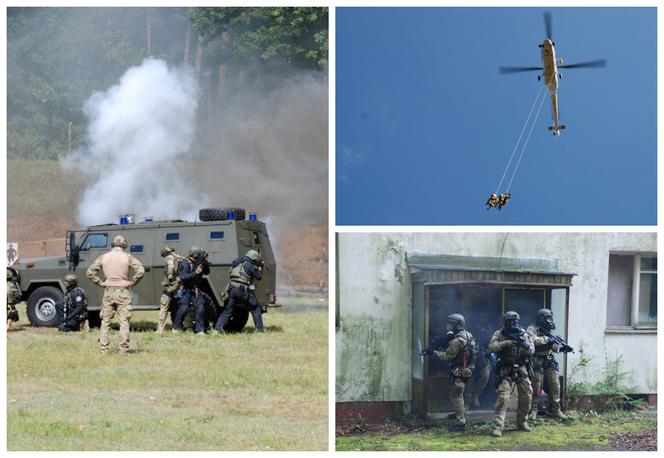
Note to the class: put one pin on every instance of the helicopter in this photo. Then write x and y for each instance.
(550, 73)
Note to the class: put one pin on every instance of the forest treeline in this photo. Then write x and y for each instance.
(57, 57)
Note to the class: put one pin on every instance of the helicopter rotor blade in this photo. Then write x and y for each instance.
(547, 25)
(518, 69)
(589, 64)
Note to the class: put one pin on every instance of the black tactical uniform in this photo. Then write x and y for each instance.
(244, 271)
(73, 310)
(190, 296)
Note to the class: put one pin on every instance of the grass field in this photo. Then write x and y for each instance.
(587, 431)
(177, 392)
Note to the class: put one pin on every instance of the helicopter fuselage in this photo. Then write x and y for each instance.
(550, 77)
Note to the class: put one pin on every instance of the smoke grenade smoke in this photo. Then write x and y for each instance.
(272, 145)
(138, 135)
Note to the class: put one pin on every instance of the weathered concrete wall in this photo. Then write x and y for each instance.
(373, 340)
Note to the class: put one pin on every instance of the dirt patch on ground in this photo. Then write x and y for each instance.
(639, 441)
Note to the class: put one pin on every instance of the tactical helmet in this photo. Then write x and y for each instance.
(70, 280)
(119, 241)
(195, 252)
(254, 255)
(545, 319)
(457, 320)
(166, 251)
(511, 320)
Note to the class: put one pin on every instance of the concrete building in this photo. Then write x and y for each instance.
(394, 291)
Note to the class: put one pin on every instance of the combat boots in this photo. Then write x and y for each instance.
(497, 432)
(525, 427)
(557, 413)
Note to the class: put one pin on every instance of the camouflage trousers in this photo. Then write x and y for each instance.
(524, 392)
(549, 375)
(116, 299)
(479, 384)
(456, 398)
(164, 308)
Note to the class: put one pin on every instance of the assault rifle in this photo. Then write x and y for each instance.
(562, 345)
(438, 343)
(518, 336)
(202, 260)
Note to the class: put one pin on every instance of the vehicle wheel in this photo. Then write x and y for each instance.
(41, 306)
(94, 319)
(237, 321)
(219, 214)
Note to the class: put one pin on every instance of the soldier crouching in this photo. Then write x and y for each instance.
(244, 271)
(73, 309)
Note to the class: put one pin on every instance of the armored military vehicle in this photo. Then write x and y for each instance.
(225, 233)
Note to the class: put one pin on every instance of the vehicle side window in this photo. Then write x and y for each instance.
(257, 238)
(94, 241)
(172, 236)
(216, 235)
(136, 249)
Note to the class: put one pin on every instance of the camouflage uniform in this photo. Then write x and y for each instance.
(545, 368)
(459, 357)
(13, 298)
(170, 282)
(117, 294)
(513, 371)
(481, 379)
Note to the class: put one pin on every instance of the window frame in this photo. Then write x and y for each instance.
(634, 326)
(105, 234)
(166, 239)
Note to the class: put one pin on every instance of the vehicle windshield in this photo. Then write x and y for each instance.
(94, 241)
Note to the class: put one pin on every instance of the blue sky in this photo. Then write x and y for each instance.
(426, 124)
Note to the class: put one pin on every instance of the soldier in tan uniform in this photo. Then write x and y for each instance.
(460, 353)
(170, 283)
(545, 366)
(514, 348)
(117, 293)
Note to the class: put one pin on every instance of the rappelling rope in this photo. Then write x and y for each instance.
(525, 124)
(528, 137)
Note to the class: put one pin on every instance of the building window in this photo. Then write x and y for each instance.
(632, 291)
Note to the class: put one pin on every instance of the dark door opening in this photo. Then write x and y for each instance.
(483, 306)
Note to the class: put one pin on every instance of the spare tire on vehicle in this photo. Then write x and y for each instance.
(220, 214)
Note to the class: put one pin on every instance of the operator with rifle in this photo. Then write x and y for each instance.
(514, 348)
(545, 364)
(189, 295)
(459, 349)
(241, 290)
(73, 308)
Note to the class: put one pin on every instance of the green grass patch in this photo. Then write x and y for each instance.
(177, 392)
(582, 432)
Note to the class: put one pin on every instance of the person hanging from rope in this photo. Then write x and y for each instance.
(493, 200)
(502, 200)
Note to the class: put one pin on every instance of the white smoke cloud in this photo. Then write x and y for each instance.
(138, 136)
